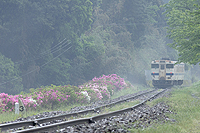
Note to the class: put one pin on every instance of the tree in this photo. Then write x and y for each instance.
(120, 32)
(30, 27)
(89, 63)
(10, 81)
(128, 29)
(183, 17)
(165, 1)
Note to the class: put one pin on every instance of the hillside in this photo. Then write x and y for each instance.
(70, 42)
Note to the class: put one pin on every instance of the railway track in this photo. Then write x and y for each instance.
(61, 121)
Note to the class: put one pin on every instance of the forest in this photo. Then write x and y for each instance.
(64, 42)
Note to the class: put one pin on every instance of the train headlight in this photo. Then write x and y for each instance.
(154, 74)
(171, 74)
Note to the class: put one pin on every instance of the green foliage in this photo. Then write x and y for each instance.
(89, 61)
(30, 27)
(56, 71)
(9, 73)
(129, 31)
(183, 18)
(135, 22)
(107, 36)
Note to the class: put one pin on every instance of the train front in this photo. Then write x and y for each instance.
(162, 72)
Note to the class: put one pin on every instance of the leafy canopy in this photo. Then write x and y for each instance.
(183, 18)
(9, 72)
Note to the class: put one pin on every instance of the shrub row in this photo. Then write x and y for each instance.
(51, 97)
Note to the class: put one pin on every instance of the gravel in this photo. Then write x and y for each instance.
(141, 117)
(73, 110)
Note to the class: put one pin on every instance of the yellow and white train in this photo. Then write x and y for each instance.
(165, 73)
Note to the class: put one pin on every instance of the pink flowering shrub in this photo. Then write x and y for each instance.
(7, 102)
(104, 86)
(51, 97)
(81, 98)
(48, 97)
(55, 96)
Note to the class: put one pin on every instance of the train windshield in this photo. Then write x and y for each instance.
(170, 66)
(162, 67)
(154, 66)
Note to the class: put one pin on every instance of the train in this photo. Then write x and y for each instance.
(166, 73)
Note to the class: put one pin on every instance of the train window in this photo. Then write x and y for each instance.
(180, 69)
(162, 67)
(170, 66)
(162, 61)
(154, 66)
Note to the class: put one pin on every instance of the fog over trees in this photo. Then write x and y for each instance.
(71, 41)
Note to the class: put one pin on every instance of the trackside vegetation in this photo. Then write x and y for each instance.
(183, 19)
(184, 102)
(51, 97)
(54, 98)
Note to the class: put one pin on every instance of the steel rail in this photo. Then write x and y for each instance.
(89, 120)
(4, 127)
(95, 118)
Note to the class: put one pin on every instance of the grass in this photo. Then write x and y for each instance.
(186, 104)
(121, 106)
(133, 90)
(114, 108)
(11, 116)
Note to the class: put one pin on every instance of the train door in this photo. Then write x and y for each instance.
(162, 72)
